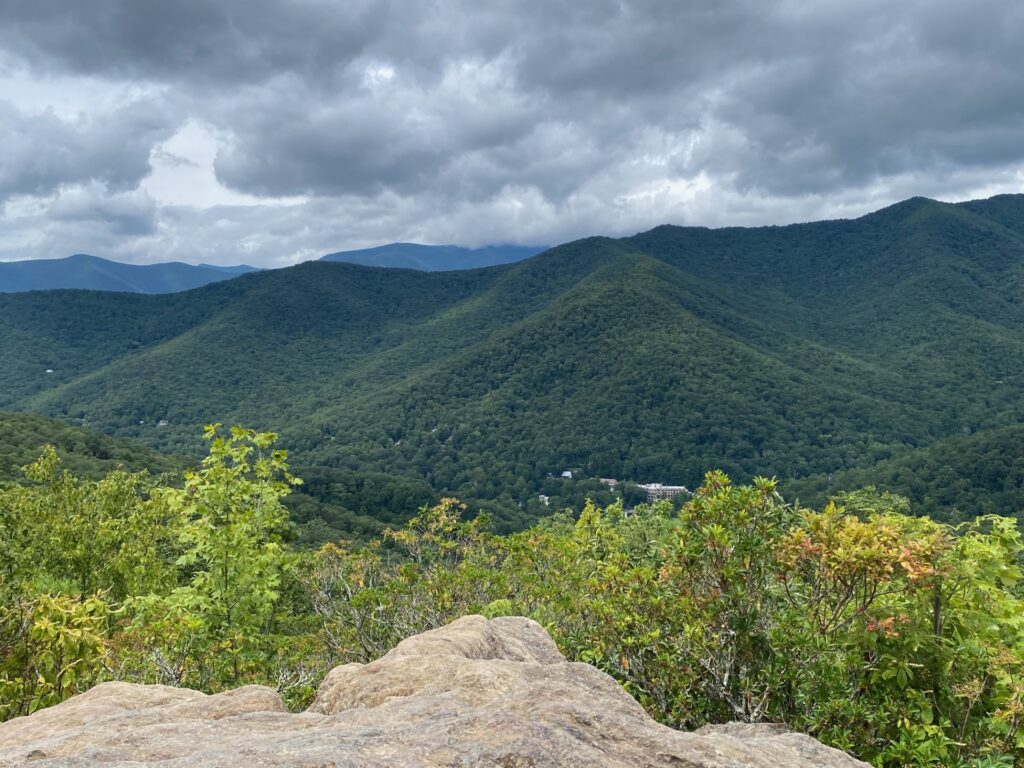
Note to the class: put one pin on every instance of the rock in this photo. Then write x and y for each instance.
(475, 693)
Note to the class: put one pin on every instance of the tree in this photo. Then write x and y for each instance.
(230, 521)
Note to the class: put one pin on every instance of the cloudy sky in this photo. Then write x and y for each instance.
(271, 131)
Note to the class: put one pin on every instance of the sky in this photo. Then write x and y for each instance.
(272, 131)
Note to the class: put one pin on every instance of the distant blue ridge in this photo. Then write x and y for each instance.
(435, 258)
(93, 273)
(83, 271)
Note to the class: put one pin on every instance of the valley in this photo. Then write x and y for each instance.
(801, 351)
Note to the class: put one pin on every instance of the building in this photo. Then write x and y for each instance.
(611, 483)
(567, 475)
(656, 491)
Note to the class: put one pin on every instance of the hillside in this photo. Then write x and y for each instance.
(93, 273)
(953, 479)
(434, 258)
(85, 453)
(794, 351)
(330, 503)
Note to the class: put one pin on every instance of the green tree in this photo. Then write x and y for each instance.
(230, 523)
(51, 647)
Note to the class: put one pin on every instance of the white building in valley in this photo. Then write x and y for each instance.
(656, 491)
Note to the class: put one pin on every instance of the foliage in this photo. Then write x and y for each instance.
(898, 638)
(802, 351)
(229, 522)
(51, 646)
(437, 568)
(134, 578)
(894, 637)
(82, 536)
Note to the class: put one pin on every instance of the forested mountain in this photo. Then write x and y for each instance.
(86, 453)
(795, 351)
(94, 273)
(434, 258)
(953, 479)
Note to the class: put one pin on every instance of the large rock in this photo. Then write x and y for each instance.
(475, 693)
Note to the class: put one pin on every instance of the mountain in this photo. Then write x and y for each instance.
(85, 453)
(793, 351)
(94, 273)
(953, 479)
(435, 258)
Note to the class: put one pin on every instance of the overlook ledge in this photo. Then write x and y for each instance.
(477, 692)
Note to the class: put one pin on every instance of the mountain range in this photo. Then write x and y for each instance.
(93, 273)
(804, 351)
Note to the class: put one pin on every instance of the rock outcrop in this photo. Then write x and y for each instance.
(475, 693)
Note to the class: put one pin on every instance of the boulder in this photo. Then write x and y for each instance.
(474, 693)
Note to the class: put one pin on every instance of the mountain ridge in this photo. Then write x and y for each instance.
(85, 272)
(796, 351)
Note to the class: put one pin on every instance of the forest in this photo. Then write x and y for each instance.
(802, 352)
(879, 631)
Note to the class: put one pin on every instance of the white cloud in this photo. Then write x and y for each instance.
(183, 171)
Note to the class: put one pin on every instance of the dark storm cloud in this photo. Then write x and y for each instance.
(196, 41)
(802, 99)
(537, 120)
(894, 93)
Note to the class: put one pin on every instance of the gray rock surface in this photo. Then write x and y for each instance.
(475, 693)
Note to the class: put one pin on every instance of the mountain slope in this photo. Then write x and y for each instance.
(85, 453)
(434, 258)
(953, 479)
(793, 351)
(93, 273)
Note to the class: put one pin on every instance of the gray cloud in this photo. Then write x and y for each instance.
(533, 121)
(42, 152)
(130, 214)
(193, 41)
